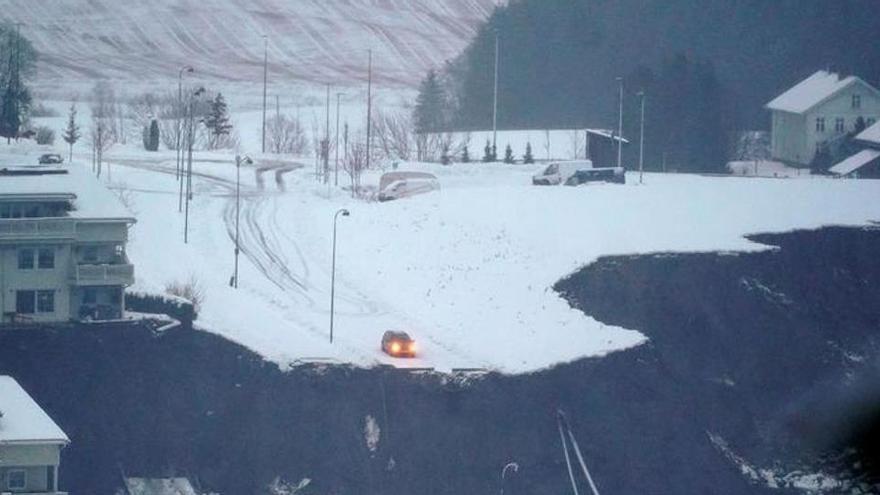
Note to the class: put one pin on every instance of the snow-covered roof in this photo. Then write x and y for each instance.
(92, 199)
(871, 134)
(855, 162)
(159, 486)
(812, 91)
(23, 420)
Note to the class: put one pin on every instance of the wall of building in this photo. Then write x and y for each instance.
(841, 107)
(57, 279)
(788, 139)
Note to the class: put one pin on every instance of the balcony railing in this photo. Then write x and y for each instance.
(26, 228)
(104, 274)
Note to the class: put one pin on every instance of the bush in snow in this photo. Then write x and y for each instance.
(40, 110)
(489, 154)
(465, 156)
(444, 156)
(191, 290)
(151, 136)
(45, 135)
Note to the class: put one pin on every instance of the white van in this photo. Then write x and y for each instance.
(397, 185)
(560, 172)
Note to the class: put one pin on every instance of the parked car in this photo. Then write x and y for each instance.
(398, 344)
(560, 172)
(610, 174)
(51, 158)
(397, 185)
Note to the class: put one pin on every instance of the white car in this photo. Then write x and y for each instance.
(560, 172)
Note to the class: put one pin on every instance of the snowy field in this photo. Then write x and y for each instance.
(467, 271)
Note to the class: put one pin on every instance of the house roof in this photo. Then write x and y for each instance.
(23, 420)
(855, 162)
(812, 91)
(92, 200)
(871, 134)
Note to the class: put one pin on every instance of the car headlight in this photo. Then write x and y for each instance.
(395, 347)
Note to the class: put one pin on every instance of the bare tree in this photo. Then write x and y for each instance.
(355, 162)
(106, 107)
(393, 133)
(286, 135)
(101, 139)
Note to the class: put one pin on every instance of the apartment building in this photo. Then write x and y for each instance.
(62, 247)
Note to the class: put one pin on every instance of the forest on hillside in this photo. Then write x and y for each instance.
(707, 67)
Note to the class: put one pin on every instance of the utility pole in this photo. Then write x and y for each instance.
(642, 138)
(336, 144)
(620, 123)
(191, 133)
(326, 147)
(345, 152)
(369, 103)
(265, 83)
(495, 101)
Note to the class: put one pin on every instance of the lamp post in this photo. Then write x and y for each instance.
(265, 83)
(336, 143)
(344, 213)
(510, 465)
(238, 160)
(620, 123)
(190, 135)
(642, 137)
(495, 101)
(179, 155)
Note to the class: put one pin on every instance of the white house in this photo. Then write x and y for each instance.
(30, 443)
(817, 110)
(62, 247)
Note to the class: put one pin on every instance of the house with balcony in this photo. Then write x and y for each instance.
(817, 111)
(62, 247)
(30, 444)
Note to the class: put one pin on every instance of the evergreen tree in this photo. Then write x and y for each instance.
(429, 114)
(217, 121)
(444, 156)
(71, 133)
(508, 155)
(487, 153)
(465, 155)
(17, 58)
(528, 158)
(151, 136)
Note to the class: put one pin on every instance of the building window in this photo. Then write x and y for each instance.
(839, 125)
(116, 296)
(857, 101)
(25, 302)
(25, 259)
(90, 296)
(5, 211)
(16, 479)
(90, 254)
(46, 258)
(820, 124)
(45, 301)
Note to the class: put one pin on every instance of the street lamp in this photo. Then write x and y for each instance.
(620, 123)
(238, 160)
(190, 136)
(642, 137)
(510, 465)
(179, 155)
(344, 213)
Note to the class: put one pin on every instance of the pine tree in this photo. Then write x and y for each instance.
(508, 155)
(487, 153)
(151, 141)
(429, 114)
(444, 157)
(465, 155)
(528, 158)
(71, 133)
(217, 120)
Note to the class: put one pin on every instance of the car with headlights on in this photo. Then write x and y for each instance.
(398, 344)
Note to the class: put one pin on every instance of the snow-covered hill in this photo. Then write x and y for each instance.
(320, 41)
